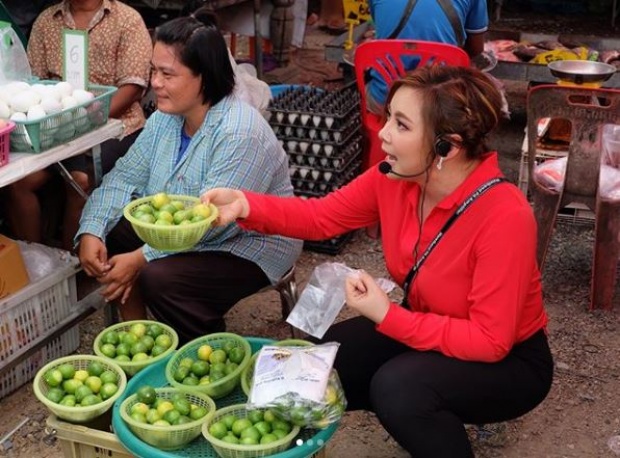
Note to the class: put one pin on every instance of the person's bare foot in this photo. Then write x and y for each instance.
(313, 19)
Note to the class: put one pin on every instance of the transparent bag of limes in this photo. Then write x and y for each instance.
(299, 384)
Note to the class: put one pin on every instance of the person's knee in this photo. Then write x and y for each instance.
(153, 279)
(82, 180)
(29, 184)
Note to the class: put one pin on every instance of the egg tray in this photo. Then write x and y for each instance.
(301, 164)
(318, 187)
(326, 156)
(331, 246)
(311, 134)
(313, 107)
(58, 128)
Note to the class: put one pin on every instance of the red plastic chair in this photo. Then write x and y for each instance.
(384, 56)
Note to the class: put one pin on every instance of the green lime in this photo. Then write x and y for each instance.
(163, 340)
(197, 413)
(236, 355)
(183, 419)
(140, 407)
(138, 329)
(186, 362)
(70, 386)
(161, 422)
(279, 433)
(154, 330)
(251, 432)
(263, 427)
(215, 376)
(230, 438)
(94, 383)
(110, 337)
(138, 416)
(229, 420)
(109, 377)
(123, 358)
(67, 370)
(108, 350)
(130, 338)
(281, 425)
(172, 416)
(144, 208)
(182, 406)
(53, 378)
(123, 349)
(164, 407)
(255, 416)
(146, 394)
(181, 373)
(268, 438)
(218, 356)
(228, 345)
(95, 368)
(90, 400)
(81, 375)
(218, 430)
(140, 357)
(68, 401)
(152, 416)
(200, 368)
(108, 390)
(269, 416)
(138, 347)
(190, 381)
(230, 368)
(239, 425)
(81, 392)
(178, 395)
(148, 342)
(55, 394)
(218, 367)
(157, 350)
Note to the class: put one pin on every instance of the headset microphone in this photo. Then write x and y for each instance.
(385, 168)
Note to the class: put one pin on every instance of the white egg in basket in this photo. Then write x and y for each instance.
(5, 111)
(68, 102)
(50, 125)
(23, 100)
(35, 112)
(80, 119)
(20, 139)
(82, 96)
(95, 113)
(64, 89)
(51, 104)
(66, 130)
(15, 87)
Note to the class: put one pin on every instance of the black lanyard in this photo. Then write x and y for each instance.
(459, 211)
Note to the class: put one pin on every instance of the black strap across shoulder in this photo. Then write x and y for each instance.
(453, 17)
(403, 19)
(459, 211)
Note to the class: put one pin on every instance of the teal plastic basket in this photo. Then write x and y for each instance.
(308, 443)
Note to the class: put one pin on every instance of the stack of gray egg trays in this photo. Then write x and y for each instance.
(320, 131)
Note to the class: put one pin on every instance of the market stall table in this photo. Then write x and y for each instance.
(22, 164)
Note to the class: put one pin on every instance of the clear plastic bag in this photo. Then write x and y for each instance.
(611, 145)
(323, 298)
(14, 65)
(299, 384)
(41, 260)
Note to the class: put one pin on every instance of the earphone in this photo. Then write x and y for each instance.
(441, 147)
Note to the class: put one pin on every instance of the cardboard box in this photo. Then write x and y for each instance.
(13, 273)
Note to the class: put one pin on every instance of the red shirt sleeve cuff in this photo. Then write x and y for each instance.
(393, 325)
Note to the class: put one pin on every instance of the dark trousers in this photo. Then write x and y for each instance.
(423, 399)
(190, 291)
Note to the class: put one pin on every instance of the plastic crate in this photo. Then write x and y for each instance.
(4, 142)
(33, 312)
(87, 441)
(25, 371)
(331, 246)
(66, 125)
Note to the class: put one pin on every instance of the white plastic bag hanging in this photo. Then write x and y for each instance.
(14, 65)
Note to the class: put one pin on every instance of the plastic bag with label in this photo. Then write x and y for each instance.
(14, 65)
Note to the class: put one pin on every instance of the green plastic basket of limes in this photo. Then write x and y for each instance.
(79, 388)
(171, 420)
(234, 433)
(248, 373)
(170, 222)
(211, 364)
(133, 345)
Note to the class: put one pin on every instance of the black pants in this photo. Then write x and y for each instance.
(190, 291)
(423, 399)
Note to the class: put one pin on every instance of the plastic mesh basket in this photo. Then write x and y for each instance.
(168, 437)
(78, 414)
(66, 125)
(227, 450)
(218, 388)
(133, 367)
(170, 238)
(4, 142)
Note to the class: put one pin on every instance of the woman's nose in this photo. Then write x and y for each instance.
(383, 133)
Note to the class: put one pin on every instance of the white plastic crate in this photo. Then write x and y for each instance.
(33, 313)
(572, 213)
(25, 371)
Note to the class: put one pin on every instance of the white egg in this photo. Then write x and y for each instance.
(5, 95)
(5, 111)
(82, 96)
(39, 88)
(80, 119)
(64, 88)
(36, 112)
(22, 101)
(50, 125)
(46, 139)
(68, 102)
(17, 86)
(96, 113)
(51, 104)
(20, 140)
(18, 116)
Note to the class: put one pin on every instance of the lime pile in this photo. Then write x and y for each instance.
(210, 365)
(163, 211)
(80, 388)
(159, 411)
(140, 343)
(256, 427)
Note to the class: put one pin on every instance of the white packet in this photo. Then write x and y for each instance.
(323, 298)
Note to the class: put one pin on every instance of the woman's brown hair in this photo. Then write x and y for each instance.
(456, 100)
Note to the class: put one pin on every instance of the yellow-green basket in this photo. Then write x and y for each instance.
(171, 437)
(221, 387)
(132, 367)
(248, 373)
(78, 414)
(170, 238)
(228, 450)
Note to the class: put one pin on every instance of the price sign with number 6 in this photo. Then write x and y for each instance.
(75, 58)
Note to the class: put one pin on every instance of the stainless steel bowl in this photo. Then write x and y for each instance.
(581, 71)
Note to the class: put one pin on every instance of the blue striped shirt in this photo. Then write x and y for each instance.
(234, 148)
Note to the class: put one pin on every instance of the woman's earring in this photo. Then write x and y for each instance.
(440, 163)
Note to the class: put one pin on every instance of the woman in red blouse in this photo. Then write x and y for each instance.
(468, 344)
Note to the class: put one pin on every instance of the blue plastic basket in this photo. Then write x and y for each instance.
(307, 444)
